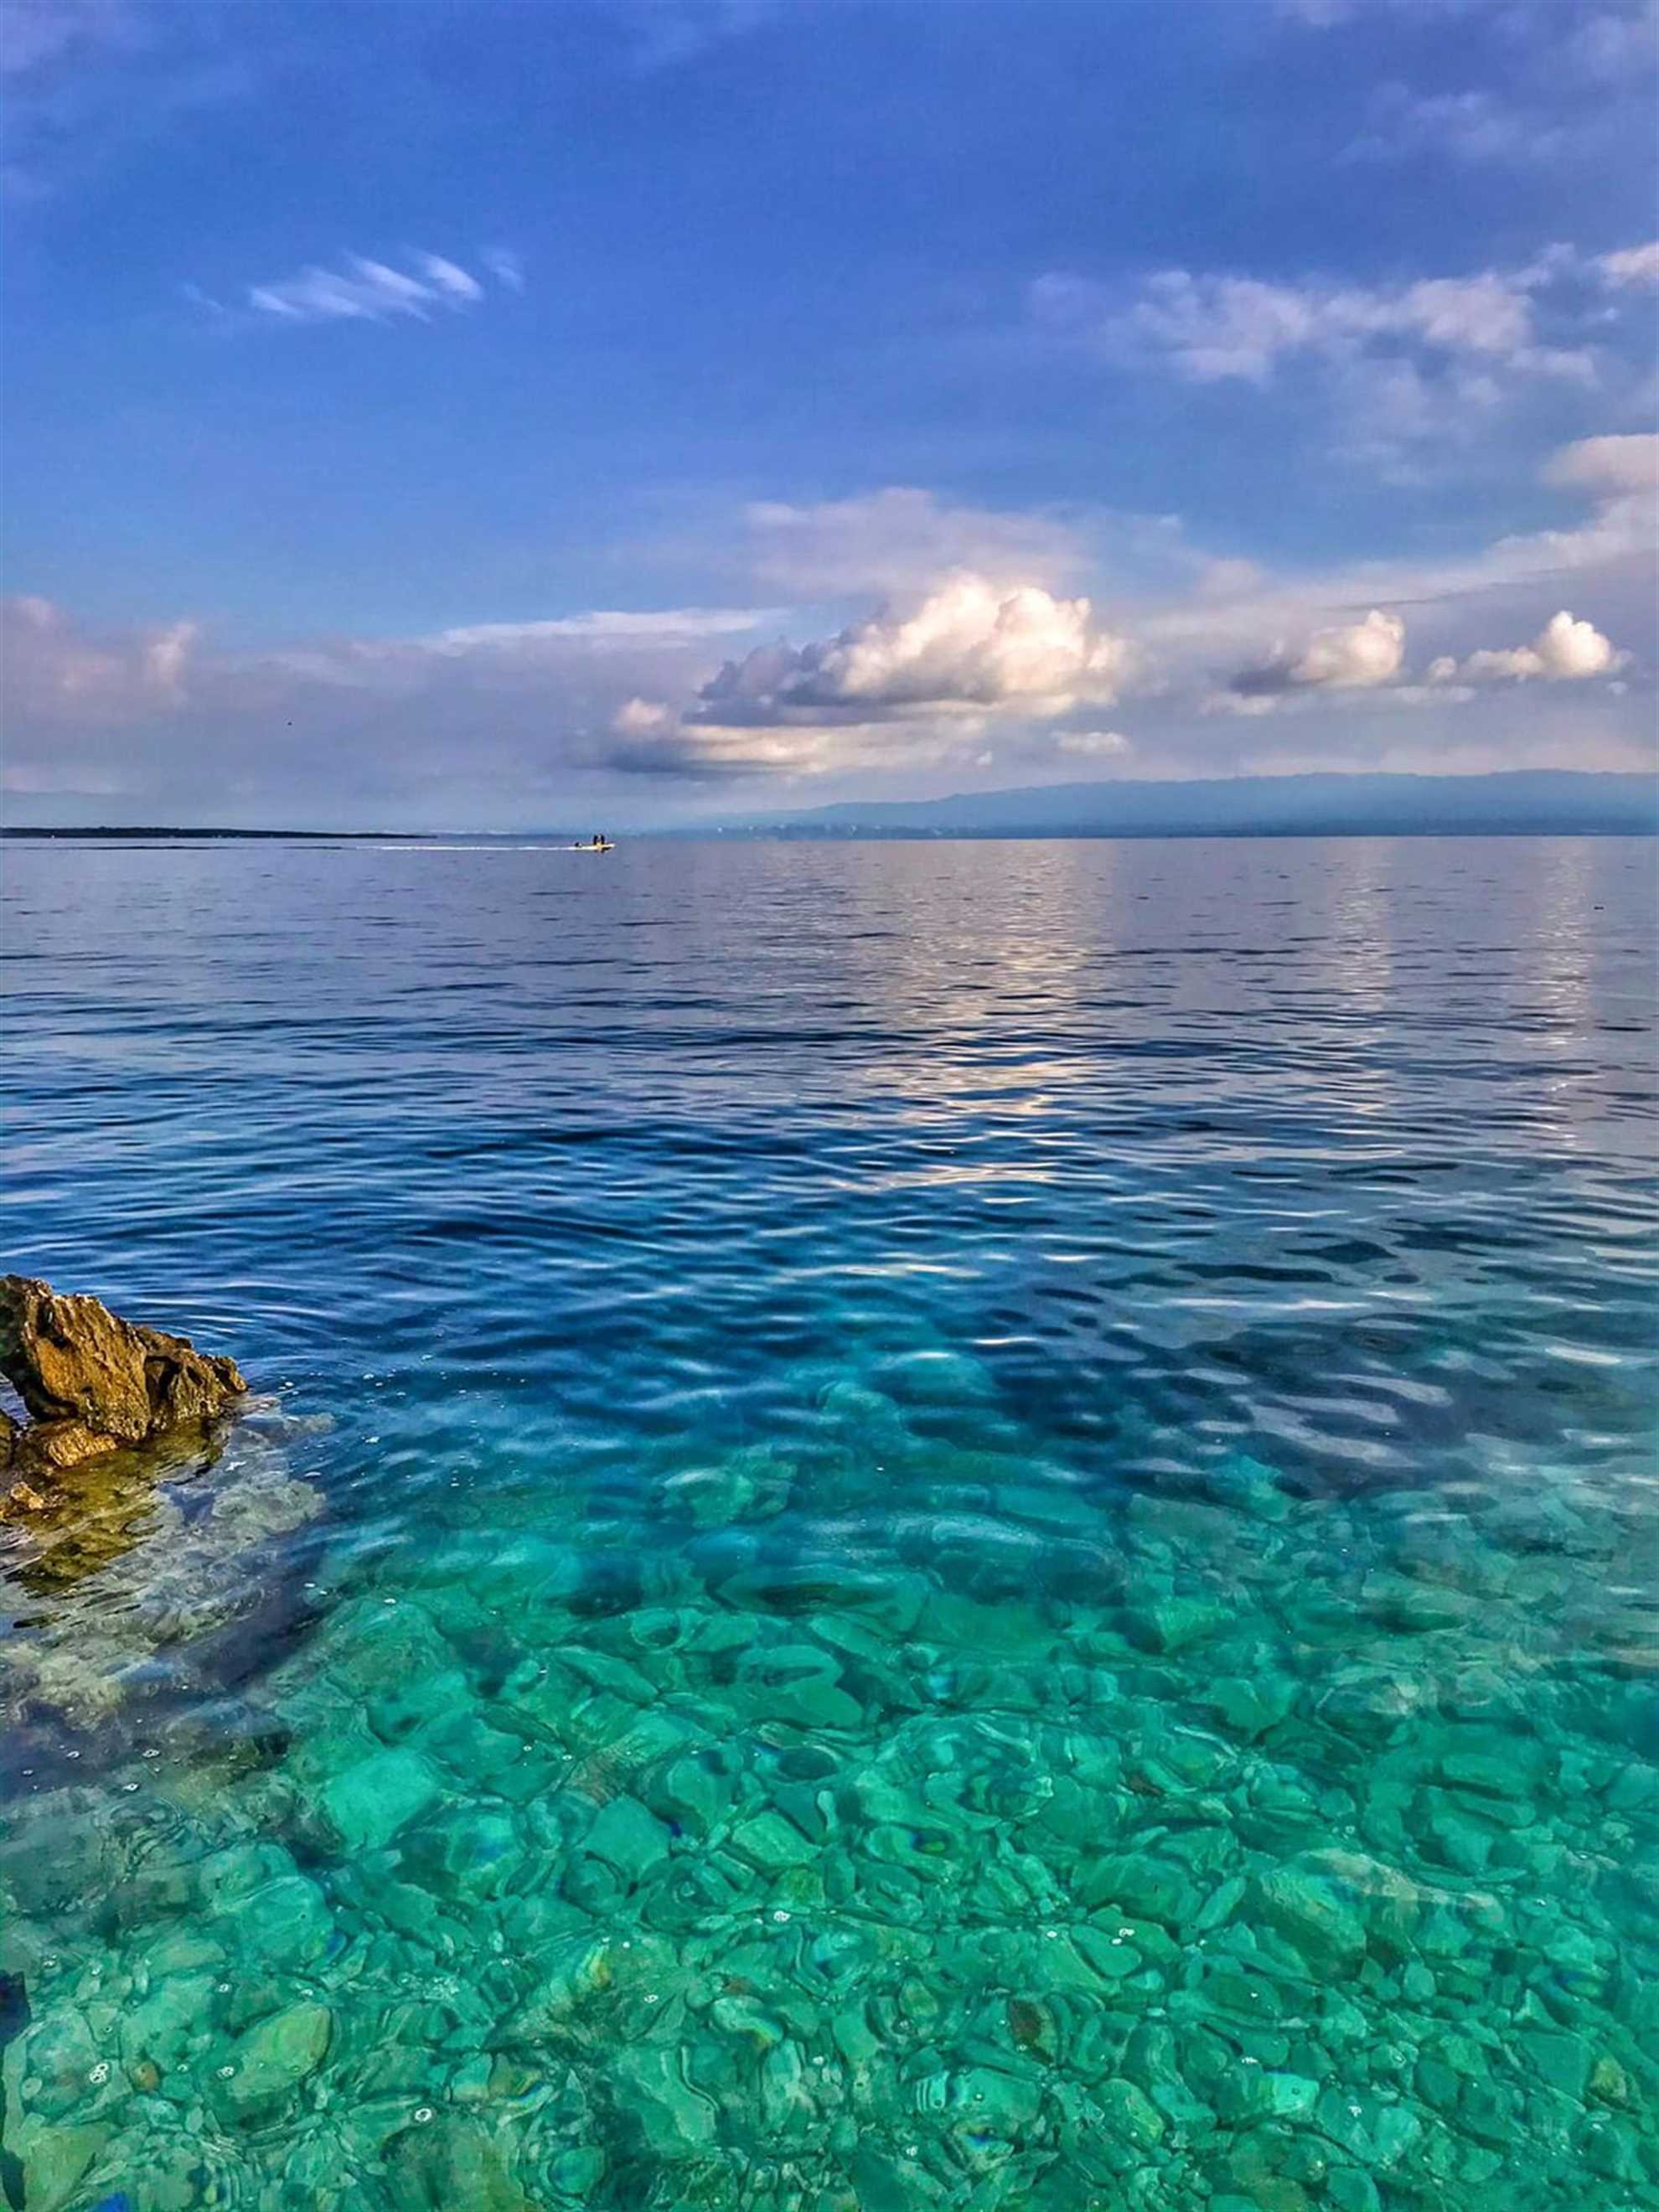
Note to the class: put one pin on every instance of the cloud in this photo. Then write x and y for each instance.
(1454, 602)
(1094, 744)
(1215, 326)
(1626, 464)
(536, 710)
(1408, 360)
(37, 34)
(1350, 656)
(1631, 267)
(1616, 45)
(167, 657)
(1470, 127)
(89, 82)
(970, 644)
(506, 266)
(1565, 651)
(669, 625)
(361, 290)
(1578, 97)
(59, 672)
(492, 721)
(891, 541)
(644, 718)
(665, 34)
(449, 277)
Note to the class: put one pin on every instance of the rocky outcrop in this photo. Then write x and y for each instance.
(92, 1382)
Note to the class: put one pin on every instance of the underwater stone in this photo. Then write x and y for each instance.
(1403, 1602)
(54, 2162)
(369, 1802)
(676, 2121)
(1379, 2133)
(934, 1379)
(1351, 2189)
(1148, 1887)
(1131, 2113)
(1609, 2082)
(1310, 1911)
(472, 1851)
(162, 2028)
(450, 2164)
(1169, 1625)
(273, 2057)
(572, 1971)
(287, 1924)
(771, 1842)
(1253, 1705)
(629, 1838)
(885, 2182)
(800, 1683)
(1562, 2060)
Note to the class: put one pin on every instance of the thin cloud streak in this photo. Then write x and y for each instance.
(361, 289)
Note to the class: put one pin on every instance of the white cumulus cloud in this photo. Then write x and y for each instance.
(970, 644)
(644, 718)
(1349, 656)
(1565, 650)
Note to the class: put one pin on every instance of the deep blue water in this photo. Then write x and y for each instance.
(985, 1534)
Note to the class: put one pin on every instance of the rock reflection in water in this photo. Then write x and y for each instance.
(125, 1583)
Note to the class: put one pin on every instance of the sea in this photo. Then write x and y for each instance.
(925, 1527)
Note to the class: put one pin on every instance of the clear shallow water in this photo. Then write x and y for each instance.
(987, 1539)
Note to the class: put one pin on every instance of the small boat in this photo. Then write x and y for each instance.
(598, 845)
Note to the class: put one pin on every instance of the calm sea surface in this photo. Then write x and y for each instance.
(957, 1526)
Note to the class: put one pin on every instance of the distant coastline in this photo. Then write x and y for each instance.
(1518, 803)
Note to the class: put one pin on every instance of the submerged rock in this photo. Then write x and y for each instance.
(268, 2063)
(92, 1382)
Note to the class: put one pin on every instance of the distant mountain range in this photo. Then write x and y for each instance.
(1524, 802)
(1530, 802)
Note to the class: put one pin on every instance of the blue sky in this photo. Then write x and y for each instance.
(485, 415)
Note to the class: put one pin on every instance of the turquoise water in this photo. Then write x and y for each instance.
(950, 1526)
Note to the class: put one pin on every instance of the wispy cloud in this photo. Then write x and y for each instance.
(1472, 128)
(35, 34)
(359, 289)
(1633, 267)
(665, 34)
(892, 540)
(1213, 326)
(89, 81)
(610, 626)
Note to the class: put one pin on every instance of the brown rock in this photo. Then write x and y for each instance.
(45, 1445)
(98, 1381)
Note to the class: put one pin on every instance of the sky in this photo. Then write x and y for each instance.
(503, 416)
